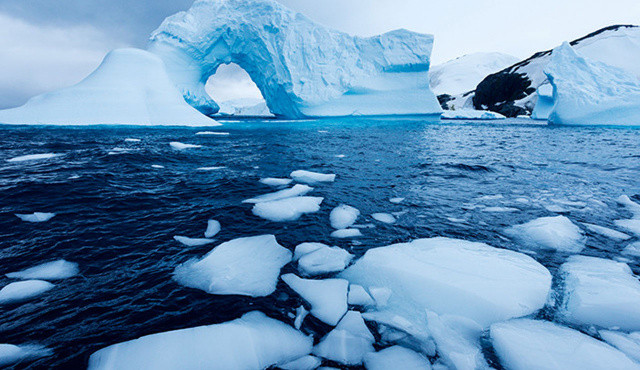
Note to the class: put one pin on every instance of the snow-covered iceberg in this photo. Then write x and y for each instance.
(131, 86)
(302, 68)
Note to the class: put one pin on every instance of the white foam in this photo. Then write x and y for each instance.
(33, 157)
(296, 190)
(322, 259)
(181, 146)
(54, 270)
(23, 290)
(309, 177)
(213, 228)
(36, 217)
(289, 209)
(328, 298)
(273, 181)
(192, 242)
(390, 358)
(343, 216)
(555, 233)
(386, 218)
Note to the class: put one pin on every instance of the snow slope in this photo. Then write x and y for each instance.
(131, 86)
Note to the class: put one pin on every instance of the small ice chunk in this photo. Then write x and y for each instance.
(301, 314)
(457, 341)
(213, 228)
(23, 290)
(531, 344)
(340, 156)
(348, 343)
(632, 206)
(214, 168)
(181, 146)
(303, 363)
(245, 266)
(33, 157)
(295, 191)
(273, 181)
(157, 166)
(343, 216)
(629, 344)
(600, 292)
(396, 200)
(632, 249)
(605, 231)
(132, 140)
(192, 242)
(632, 225)
(384, 218)
(288, 209)
(36, 217)
(322, 260)
(309, 177)
(390, 358)
(346, 233)
(218, 133)
(328, 298)
(55, 270)
(11, 354)
(556, 233)
(358, 296)
(254, 341)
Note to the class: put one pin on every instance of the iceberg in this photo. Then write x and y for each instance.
(544, 105)
(288, 209)
(245, 266)
(530, 344)
(321, 259)
(311, 178)
(302, 69)
(451, 276)
(328, 298)
(54, 270)
(343, 216)
(213, 228)
(254, 341)
(554, 233)
(36, 217)
(297, 190)
(131, 86)
(389, 358)
(347, 343)
(32, 157)
(11, 354)
(23, 290)
(600, 292)
(192, 242)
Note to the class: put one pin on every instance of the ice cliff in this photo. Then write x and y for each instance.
(302, 68)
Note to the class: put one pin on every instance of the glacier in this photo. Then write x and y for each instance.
(302, 69)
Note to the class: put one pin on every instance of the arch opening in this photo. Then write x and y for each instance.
(235, 92)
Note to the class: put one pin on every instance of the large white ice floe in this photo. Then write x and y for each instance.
(192, 242)
(530, 344)
(328, 298)
(588, 92)
(54, 270)
(245, 266)
(23, 290)
(451, 276)
(343, 216)
(288, 209)
(554, 233)
(302, 68)
(33, 157)
(254, 341)
(317, 259)
(390, 358)
(131, 86)
(605, 231)
(347, 343)
(11, 354)
(309, 177)
(36, 217)
(600, 292)
(295, 191)
(629, 344)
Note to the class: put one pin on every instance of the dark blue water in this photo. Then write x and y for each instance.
(117, 219)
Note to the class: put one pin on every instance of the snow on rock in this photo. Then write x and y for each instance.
(131, 86)
(32, 157)
(358, 296)
(384, 218)
(328, 298)
(273, 181)
(588, 92)
(309, 177)
(530, 344)
(23, 290)
(451, 276)
(629, 344)
(244, 266)
(343, 216)
(296, 190)
(181, 146)
(213, 228)
(389, 358)
(555, 233)
(11, 354)
(321, 259)
(605, 231)
(457, 341)
(346, 233)
(36, 217)
(254, 341)
(348, 343)
(303, 363)
(302, 69)
(600, 292)
(471, 114)
(192, 242)
(54, 270)
(288, 209)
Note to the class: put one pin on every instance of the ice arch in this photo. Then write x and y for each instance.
(301, 68)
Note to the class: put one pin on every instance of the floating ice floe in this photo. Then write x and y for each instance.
(384, 218)
(632, 249)
(631, 225)
(55, 270)
(348, 342)
(471, 114)
(157, 166)
(245, 266)
(343, 216)
(192, 242)
(629, 344)
(23, 290)
(632, 206)
(303, 363)
(600, 292)
(605, 231)
(457, 341)
(214, 168)
(36, 217)
(33, 157)
(531, 344)
(309, 177)
(295, 191)
(317, 259)
(390, 358)
(555, 233)
(396, 200)
(181, 146)
(358, 296)
(288, 209)
(273, 181)
(346, 233)
(254, 341)
(328, 298)
(451, 276)
(213, 228)
(216, 133)
(132, 140)
(11, 354)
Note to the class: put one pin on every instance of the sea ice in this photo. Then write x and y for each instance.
(348, 342)
(33, 157)
(632, 249)
(321, 260)
(605, 231)
(254, 341)
(632, 206)
(157, 166)
(288, 209)
(457, 341)
(295, 191)
(471, 114)
(23, 290)
(303, 363)
(328, 298)
(396, 200)
(245, 266)
(556, 233)
(358, 296)
(343, 216)
(213, 228)
(629, 344)
(531, 344)
(36, 217)
(632, 225)
(384, 218)
(214, 168)
(11, 354)
(346, 233)
(192, 242)
(55, 270)
(212, 133)
(301, 314)
(273, 181)
(132, 140)
(309, 177)
(392, 357)
(181, 146)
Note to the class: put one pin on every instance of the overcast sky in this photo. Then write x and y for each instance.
(48, 44)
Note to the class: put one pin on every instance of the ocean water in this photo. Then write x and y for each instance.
(116, 215)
